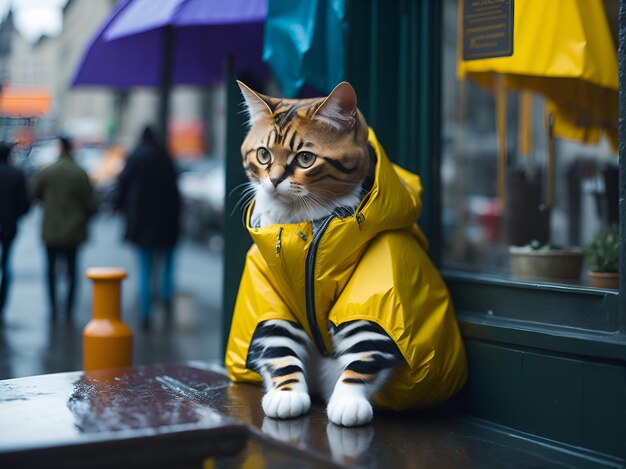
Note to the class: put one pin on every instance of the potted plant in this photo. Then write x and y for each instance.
(546, 262)
(603, 254)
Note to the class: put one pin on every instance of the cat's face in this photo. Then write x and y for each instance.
(305, 151)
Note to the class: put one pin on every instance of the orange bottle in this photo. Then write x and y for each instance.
(107, 341)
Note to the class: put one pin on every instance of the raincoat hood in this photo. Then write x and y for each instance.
(370, 265)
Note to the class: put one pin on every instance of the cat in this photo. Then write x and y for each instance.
(294, 184)
(313, 173)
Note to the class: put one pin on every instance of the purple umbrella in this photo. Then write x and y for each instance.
(130, 49)
(163, 42)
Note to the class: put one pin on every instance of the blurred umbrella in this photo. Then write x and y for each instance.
(564, 51)
(160, 43)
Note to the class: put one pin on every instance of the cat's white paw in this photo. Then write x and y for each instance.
(349, 410)
(286, 404)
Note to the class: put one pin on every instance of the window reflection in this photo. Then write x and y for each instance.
(512, 196)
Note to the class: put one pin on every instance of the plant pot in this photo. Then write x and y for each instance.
(562, 265)
(604, 279)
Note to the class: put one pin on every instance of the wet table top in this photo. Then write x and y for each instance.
(129, 417)
(177, 416)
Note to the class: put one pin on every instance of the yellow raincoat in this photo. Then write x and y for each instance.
(371, 265)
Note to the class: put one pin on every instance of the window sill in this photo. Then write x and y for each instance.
(526, 284)
(529, 336)
(562, 318)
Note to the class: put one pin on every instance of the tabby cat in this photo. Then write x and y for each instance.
(308, 159)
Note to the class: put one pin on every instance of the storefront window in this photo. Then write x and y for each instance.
(529, 167)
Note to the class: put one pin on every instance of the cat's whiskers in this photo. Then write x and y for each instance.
(328, 204)
(332, 198)
(246, 195)
(314, 207)
(246, 185)
(300, 206)
(245, 198)
(326, 197)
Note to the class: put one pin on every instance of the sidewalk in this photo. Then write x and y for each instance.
(30, 344)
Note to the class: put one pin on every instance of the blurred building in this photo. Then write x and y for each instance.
(117, 117)
(83, 113)
(27, 72)
(96, 115)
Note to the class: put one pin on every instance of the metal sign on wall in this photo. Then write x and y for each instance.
(487, 29)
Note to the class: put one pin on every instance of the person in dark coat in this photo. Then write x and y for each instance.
(148, 196)
(13, 204)
(68, 201)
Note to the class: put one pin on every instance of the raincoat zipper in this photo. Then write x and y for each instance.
(310, 285)
(279, 242)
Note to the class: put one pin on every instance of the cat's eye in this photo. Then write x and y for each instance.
(263, 155)
(305, 159)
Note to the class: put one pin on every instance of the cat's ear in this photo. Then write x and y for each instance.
(339, 109)
(256, 106)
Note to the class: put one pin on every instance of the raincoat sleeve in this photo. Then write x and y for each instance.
(408, 299)
(257, 301)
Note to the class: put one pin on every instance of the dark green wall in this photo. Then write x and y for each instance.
(236, 239)
(569, 399)
(393, 61)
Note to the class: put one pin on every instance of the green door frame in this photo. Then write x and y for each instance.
(236, 239)
(393, 61)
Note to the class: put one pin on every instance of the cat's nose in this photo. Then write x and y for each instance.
(277, 175)
(277, 180)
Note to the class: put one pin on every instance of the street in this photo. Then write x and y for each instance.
(30, 344)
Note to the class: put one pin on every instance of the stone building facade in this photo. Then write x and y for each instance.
(100, 114)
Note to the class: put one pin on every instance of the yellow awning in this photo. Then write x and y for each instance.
(563, 50)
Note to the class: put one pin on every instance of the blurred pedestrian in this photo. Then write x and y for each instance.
(13, 204)
(148, 195)
(68, 202)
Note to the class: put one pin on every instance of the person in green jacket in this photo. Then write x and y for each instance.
(68, 202)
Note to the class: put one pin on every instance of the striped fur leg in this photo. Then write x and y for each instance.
(366, 355)
(278, 352)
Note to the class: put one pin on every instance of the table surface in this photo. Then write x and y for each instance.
(70, 419)
(177, 415)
